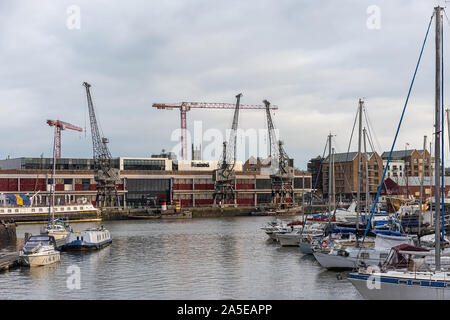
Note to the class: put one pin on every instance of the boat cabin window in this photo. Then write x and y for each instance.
(2, 211)
(34, 241)
(383, 255)
(74, 208)
(16, 210)
(9, 210)
(40, 209)
(364, 255)
(81, 208)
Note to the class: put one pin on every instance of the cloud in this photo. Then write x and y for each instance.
(314, 59)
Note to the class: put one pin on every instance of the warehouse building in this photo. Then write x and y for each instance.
(143, 181)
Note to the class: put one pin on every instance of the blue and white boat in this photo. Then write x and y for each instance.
(93, 238)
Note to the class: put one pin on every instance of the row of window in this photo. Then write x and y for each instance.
(38, 210)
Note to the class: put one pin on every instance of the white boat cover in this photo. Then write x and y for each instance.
(383, 241)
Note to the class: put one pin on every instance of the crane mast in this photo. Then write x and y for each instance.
(281, 173)
(105, 175)
(224, 177)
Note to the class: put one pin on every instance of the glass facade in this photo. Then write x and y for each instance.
(147, 192)
(62, 164)
(143, 164)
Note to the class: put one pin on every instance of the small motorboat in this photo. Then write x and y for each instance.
(39, 250)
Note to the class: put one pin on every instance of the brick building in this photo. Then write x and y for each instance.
(142, 181)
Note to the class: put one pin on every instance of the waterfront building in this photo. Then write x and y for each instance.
(408, 163)
(143, 181)
(346, 174)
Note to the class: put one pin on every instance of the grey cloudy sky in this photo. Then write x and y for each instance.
(314, 59)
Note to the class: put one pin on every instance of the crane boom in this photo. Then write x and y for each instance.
(104, 174)
(224, 176)
(231, 151)
(59, 126)
(281, 173)
(187, 106)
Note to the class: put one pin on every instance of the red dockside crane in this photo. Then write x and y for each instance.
(187, 106)
(61, 125)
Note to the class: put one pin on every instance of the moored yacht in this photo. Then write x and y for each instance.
(406, 275)
(345, 256)
(293, 238)
(59, 229)
(39, 250)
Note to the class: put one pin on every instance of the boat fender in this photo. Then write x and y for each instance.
(324, 243)
(372, 269)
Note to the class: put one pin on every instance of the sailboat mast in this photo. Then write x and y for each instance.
(367, 173)
(447, 111)
(421, 181)
(334, 181)
(52, 207)
(358, 184)
(437, 142)
(330, 169)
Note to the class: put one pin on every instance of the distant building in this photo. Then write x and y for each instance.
(411, 163)
(410, 187)
(314, 168)
(346, 174)
(255, 164)
(142, 181)
(164, 154)
(196, 153)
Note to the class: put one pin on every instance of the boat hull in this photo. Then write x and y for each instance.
(58, 235)
(78, 245)
(40, 260)
(305, 247)
(333, 261)
(272, 235)
(388, 288)
(289, 240)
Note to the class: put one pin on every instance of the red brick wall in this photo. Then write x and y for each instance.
(245, 186)
(186, 202)
(182, 186)
(203, 202)
(204, 186)
(8, 184)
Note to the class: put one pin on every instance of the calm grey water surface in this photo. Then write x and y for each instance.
(217, 258)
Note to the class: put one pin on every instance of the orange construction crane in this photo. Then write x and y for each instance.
(187, 106)
(61, 125)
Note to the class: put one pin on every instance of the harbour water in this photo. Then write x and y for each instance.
(220, 258)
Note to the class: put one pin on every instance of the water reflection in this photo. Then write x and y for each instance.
(41, 273)
(224, 258)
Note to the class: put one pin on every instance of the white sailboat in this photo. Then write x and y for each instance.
(293, 238)
(342, 256)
